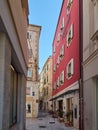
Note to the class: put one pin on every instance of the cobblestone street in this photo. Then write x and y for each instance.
(45, 122)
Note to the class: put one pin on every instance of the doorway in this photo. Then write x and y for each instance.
(69, 105)
(60, 105)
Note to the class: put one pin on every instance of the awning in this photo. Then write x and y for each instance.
(65, 93)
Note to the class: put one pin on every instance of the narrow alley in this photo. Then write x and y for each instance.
(45, 122)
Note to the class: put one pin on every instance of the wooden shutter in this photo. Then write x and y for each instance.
(72, 66)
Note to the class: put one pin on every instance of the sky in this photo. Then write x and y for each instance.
(45, 13)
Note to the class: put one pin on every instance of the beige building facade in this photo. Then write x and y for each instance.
(45, 89)
(90, 64)
(32, 104)
(13, 63)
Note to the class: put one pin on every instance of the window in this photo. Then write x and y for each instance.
(62, 26)
(47, 90)
(69, 3)
(54, 87)
(62, 52)
(54, 50)
(30, 53)
(69, 35)
(44, 91)
(62, 77)
(70, 69)
(47, 79)
(29, 74)
(54, 67)
(47, 67)
(58, 38)
(29, 35)
(58, 60)
(13, 96)
(45, 70)
(27, 90)
(58, 82)
(33, 93)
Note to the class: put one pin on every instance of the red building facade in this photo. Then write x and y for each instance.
(66, 72)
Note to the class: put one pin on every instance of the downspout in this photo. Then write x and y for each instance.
(81, 101)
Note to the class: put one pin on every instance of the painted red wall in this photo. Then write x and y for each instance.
(73, 50)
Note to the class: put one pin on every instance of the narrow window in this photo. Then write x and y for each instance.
(29, 74)
(69, 3)
(69, 35)
(27, 90)
(33, 93)
(70, 69)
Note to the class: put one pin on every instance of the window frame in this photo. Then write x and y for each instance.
(69, 4)
(29, 73)
(28, 94)
(70, 35)
(70, 69)
(62, 76)
(62, 51)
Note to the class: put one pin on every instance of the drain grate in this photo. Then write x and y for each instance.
(52, 122)
(42, 126)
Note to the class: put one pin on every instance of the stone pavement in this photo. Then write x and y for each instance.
(45, 122)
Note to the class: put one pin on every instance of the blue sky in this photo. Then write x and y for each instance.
(45, 13)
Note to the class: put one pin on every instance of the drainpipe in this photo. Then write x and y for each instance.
(81, 107)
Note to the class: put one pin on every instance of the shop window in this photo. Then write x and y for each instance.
(13, 96)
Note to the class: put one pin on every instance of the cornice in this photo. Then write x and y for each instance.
(91, 57)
